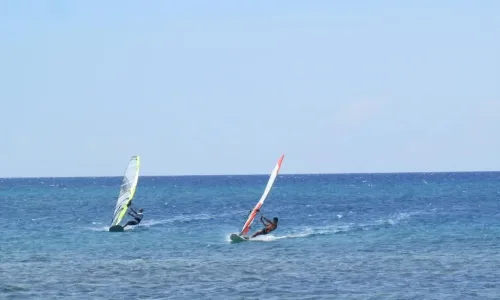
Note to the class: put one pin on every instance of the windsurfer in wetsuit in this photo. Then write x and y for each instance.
(269, 226)
(136, 215)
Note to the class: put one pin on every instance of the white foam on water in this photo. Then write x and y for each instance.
(337, 228)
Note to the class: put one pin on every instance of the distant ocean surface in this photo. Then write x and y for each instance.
(356, 236)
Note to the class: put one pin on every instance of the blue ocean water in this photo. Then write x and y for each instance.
(358, 236)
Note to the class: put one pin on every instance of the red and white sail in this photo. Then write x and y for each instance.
(269, 185)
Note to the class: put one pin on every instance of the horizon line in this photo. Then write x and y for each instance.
(259, 174)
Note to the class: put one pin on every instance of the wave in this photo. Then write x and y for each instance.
(9, 288)
(177, 219)
(306, 232)
(149, 223)
(106, 228)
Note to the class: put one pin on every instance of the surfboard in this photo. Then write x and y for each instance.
(116, 228)
(237, 238)
(253, 213)
(127, 192)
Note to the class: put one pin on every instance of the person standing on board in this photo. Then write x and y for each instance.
(269, 226)
(137, 217)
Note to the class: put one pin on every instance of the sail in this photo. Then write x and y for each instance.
(127, 190)
(269, 185)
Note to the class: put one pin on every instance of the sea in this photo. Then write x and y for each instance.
(340, 236)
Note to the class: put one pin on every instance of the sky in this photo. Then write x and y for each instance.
(226, 87)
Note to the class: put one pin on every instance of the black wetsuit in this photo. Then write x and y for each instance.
(137, 219)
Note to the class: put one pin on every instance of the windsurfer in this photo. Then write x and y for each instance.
(136, 215)
(269, 226)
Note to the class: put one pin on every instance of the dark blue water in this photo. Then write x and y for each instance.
(367, 236)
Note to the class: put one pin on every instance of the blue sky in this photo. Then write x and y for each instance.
(225, 87)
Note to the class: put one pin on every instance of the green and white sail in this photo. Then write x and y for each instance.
(127, 190)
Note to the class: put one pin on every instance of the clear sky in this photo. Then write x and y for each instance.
(225, 87)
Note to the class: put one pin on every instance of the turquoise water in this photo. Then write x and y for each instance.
(360, 236)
